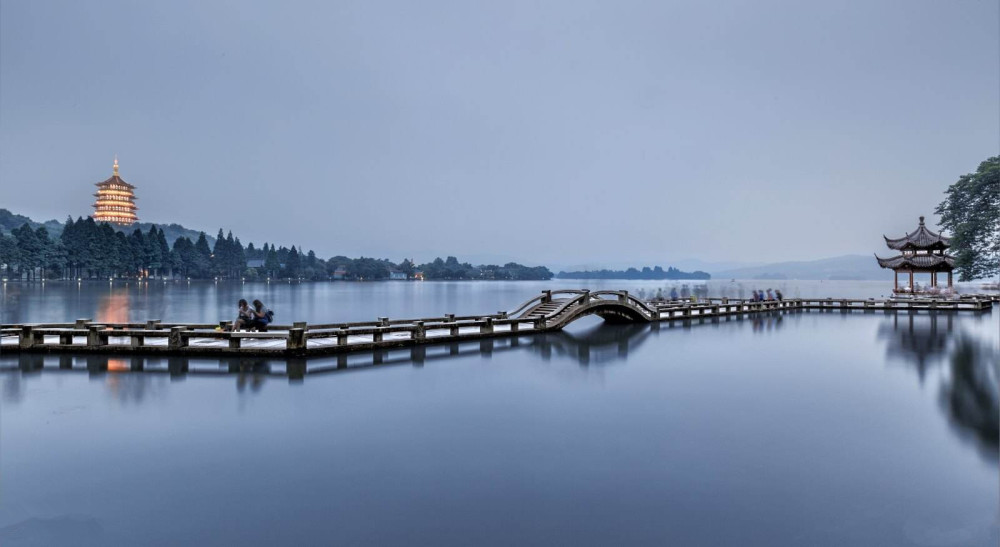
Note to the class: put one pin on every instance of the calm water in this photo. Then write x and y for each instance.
(798, 429)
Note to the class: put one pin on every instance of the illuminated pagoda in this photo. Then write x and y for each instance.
(921, 251)
(115, 201)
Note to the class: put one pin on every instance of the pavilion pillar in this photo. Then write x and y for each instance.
(911, 281)
(933, 279)
(949, 279)
(895, 281)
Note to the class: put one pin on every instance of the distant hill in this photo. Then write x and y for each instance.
(9, 221)
(849, 267)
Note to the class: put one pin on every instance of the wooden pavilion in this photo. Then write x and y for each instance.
(921, 251)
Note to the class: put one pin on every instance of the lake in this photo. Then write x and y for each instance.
(803, 428)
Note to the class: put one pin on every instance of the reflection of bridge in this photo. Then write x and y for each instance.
(548, 312)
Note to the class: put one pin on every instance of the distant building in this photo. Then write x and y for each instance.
(397, 276)
(115, 200)
(255, 263)
(340, 273)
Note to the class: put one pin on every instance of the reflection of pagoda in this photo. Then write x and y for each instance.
(115, 201)
(921, 251)
(921, 340)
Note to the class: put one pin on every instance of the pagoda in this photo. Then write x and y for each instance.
(115, 201)
(921, 251)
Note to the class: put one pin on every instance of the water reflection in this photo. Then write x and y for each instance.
(970, 387)
(971, 395)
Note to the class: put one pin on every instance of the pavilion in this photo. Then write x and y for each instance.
(921, 251)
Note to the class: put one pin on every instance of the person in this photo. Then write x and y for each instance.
(673, 293)
(243, 316)
(770, 295)
(755, 297)
(778, 295)
(260, 316)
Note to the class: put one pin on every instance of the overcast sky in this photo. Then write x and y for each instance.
(549, 132)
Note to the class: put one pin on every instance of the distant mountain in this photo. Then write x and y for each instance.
(850, 267)
(9, 221)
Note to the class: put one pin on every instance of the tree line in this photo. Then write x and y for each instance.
(89, 250)
(646, 272)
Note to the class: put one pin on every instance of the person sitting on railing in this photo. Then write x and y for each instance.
(260, 316)
(778, 295)
(243, 317)
(770, 295)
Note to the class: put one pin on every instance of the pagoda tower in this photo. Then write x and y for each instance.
(921, 251)
(115, 200)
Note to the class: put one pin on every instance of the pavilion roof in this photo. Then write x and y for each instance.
(944, 262)
(921, 238)
(115, 179)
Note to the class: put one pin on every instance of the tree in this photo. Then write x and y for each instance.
(294, 263)
(971, 212)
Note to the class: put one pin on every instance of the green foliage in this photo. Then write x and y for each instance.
(87, 249)
(971, 212)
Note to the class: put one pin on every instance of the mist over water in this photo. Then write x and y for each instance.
(800, 428)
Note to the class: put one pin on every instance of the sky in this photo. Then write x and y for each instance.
(557, 132)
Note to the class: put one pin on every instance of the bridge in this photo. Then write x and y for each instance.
(550, 311)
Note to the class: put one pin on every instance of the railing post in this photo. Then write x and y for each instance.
(342, 337)
(66, 338)
(623, 297)
(513, 327)
(154, 324)
(377, 335)
(383, 321)
(177, 340)
(300, 325)
(234, 342)
(539, 323)
(137, 341)
(27, 338)
(419, 332)
(487, 326)
(82, 323)
(585, 297)
(546, 297)
(454, 327)
(96, 338)
(296, 340)
(449, 318)
(502, 314)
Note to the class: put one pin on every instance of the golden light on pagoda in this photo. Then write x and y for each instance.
(115, 200)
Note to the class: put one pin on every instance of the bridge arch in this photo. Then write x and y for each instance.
(609, 310)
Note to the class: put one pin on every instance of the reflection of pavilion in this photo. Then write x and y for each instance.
(970, 390)
(921, 340)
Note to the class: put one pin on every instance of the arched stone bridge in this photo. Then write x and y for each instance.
(560, 308)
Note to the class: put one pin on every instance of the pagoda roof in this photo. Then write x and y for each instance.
(921, 238)
(115, 179)
(917, 261)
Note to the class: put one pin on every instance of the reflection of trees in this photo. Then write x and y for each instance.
(971, 395)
